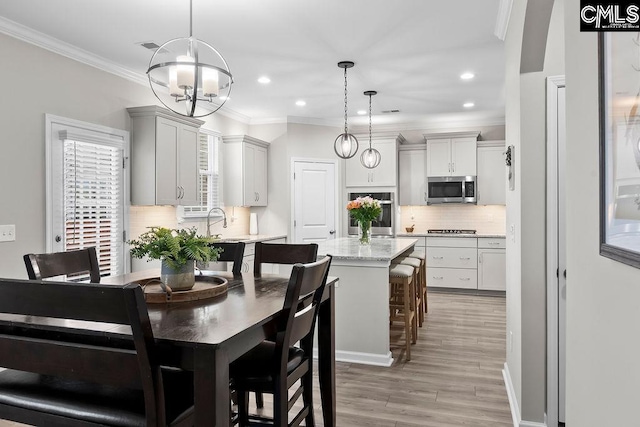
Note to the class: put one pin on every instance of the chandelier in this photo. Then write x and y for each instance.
(346, 144)
(192, 72)
(370, 158)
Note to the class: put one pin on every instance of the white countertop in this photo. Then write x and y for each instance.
(425, 234)
(351, 249)
(253, 238)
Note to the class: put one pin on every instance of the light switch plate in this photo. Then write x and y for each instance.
(7, 233)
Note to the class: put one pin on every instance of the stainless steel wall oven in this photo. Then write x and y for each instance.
(383, 225)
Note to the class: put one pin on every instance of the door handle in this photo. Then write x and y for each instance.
(332, 231)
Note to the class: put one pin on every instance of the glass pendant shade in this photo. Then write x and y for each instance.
(191, 72)
(346, 145)
(370, 158)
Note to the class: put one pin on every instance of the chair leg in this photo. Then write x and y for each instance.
(243, 408)
(259, 400)
(280, 403)
(307, 397)
(414, 310)
(424, 285)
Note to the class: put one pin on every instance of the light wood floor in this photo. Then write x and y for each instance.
(454, 377)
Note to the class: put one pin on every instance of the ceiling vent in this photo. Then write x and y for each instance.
(390, 111)
(149, 45)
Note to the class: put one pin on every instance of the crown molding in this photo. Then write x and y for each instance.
(314, 121)
(236, 139)
(502, 20)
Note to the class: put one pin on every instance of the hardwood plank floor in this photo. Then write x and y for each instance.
(454, 377)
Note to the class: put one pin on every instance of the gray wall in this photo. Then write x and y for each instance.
(526, 206)
(603, 296)
(44, 82)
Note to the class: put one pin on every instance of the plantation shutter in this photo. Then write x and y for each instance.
(208, 176)
(93, 193)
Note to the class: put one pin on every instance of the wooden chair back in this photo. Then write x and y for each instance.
(231, 252)
(283, 253)
(128, 364)
(42, 266)
(302, 301)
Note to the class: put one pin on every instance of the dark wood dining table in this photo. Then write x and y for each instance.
(205, 336)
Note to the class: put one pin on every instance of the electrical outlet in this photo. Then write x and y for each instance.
(7, 233)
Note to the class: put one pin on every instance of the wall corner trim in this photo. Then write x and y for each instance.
(511, 394)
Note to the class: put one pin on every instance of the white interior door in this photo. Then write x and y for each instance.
(314, 201)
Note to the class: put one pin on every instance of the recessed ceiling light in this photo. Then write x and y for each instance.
(467, 76)
(468, 104)
(264, 80)
(300, 103)
(361, 112)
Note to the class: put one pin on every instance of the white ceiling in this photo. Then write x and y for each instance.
(411, 51)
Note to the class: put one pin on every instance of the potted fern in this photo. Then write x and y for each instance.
(178, 250)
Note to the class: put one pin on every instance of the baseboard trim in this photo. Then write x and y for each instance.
(361, 358)
(513, 402)
(511, 395)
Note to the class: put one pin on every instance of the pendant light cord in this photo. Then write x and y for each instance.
(345, 100)
(190, 18)
(370, 121)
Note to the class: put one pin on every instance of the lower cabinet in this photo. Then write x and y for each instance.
(466, 263)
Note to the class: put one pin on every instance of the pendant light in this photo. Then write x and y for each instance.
(346, 144)
(192, 72)
(370, 158)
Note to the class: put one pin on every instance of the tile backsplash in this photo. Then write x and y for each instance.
(142, 217)
(485, 219)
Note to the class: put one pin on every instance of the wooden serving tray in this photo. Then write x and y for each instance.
(204, 288)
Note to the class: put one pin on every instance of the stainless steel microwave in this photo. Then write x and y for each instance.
(451, 189)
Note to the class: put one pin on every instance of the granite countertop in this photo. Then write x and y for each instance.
(425, 234)
(252, 238)
(349, 248)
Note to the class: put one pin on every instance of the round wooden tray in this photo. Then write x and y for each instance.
(205, 287)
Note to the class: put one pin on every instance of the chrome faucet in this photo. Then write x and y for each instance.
(209, 223)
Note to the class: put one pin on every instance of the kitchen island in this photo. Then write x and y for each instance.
(362, 296)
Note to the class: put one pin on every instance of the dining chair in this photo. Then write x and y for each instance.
(57, 376)
(275, 366)
(42, 266)
(283, 253)
(231, 252)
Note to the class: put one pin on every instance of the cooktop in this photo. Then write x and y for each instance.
(450, 231)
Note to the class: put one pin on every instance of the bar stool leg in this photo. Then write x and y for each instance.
(408, 319)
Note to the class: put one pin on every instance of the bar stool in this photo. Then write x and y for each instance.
(422, 256)
(416, 264)
(402, 302)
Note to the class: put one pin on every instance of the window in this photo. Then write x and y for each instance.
(87, 190)
(209, 175)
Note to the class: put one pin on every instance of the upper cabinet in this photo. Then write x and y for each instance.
(492, 181)
(245, 171)
(412, 181)
(451, 154)
(383, 175)
(164, 157)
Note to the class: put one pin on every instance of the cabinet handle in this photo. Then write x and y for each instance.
(453, 167)
(464, 279)
(181, 192)
(437, 257)
(494, 243)
(437, 277)
(258, 195)
(449, 167)
(255, 196)
(465, 258)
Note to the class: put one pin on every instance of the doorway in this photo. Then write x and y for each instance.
(556, 251)
(314, 200)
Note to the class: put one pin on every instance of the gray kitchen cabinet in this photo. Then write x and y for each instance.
(164, 157)
(492, 180)
(412, 177)
(385, 174)
(492, 265)
(451, 154)
(245, 171)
